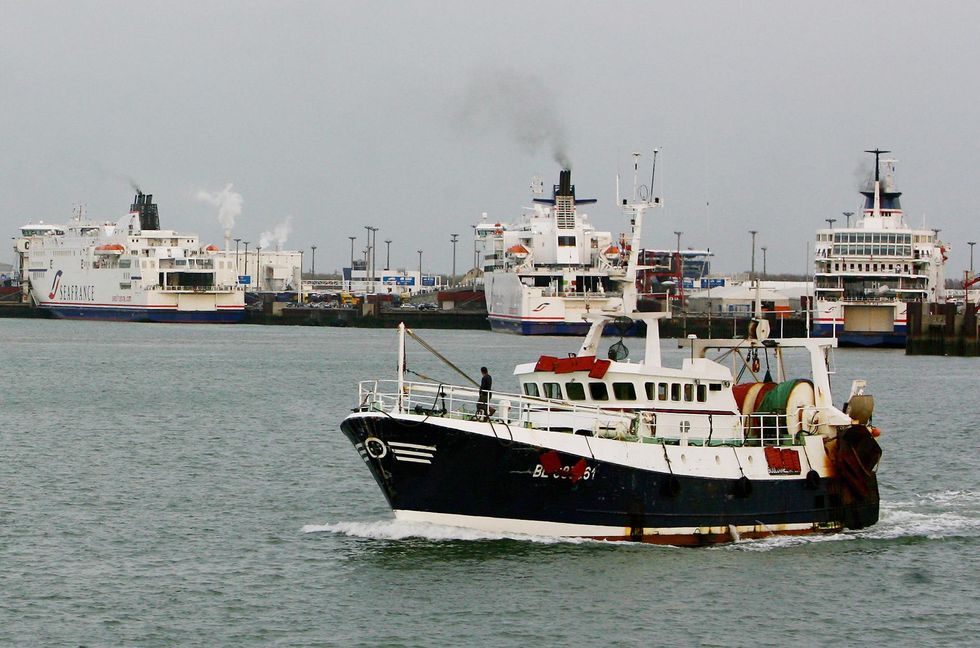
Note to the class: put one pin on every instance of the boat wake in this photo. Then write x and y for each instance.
(931, 516)
(398, 530)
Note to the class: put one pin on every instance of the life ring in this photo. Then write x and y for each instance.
(812, 479)
(375, 447)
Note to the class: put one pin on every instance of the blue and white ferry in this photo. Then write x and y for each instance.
(866, 273)
(128, 270)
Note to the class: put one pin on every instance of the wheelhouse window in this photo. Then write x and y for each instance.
(598, 391)
(566, 241)
(552, 390)
(575, 391)
(531, 389)
(702, 393)
(651, 390)
(662, 391)
(624, 391)
(688, 392)
(675, 391)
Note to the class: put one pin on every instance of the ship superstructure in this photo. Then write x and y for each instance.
(129, 270)
(545, 272)
(865, 274)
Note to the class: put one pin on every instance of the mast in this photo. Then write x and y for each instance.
(876, 208)
(401, 364)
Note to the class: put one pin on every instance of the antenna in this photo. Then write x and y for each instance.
(636, 167)
(653, 174)
(877, 153)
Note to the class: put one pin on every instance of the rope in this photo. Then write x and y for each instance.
(430, 349)
(505, 443)
(737, 461)
(667, 459)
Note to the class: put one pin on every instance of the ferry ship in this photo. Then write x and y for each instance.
(543, 274)
(865, 274)
(616, 449)
(130, 270)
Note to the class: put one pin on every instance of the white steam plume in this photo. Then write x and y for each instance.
(278, 235)
(518, 104)
(228, 202)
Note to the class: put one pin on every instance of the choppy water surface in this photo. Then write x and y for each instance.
(171, 485)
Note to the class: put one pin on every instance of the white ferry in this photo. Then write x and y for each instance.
(128, 270)
(545, 273)
(621, 449)
(865, 274)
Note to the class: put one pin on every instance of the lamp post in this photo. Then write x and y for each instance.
(388, 254)
(420, 270)
(763, 261)
(752, 271)
(971, 244)
(350, 280)
(374, 255)
(678, 266)
(830, 222)
(313, 262)
(848, 215)
(258, 280)
(367, 260)
(453, 240)
(246, 256)
(476, 255)
(236, 258)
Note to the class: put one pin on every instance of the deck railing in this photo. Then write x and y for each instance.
(639, 425)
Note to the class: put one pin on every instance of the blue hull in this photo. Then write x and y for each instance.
(146, 315)
(893, 340)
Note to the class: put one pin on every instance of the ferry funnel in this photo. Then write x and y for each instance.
(149, 215)
(565, 187)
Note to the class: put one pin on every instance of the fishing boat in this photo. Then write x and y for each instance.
(866, 274)
(614, 448)
(545, 272)
(127, 270)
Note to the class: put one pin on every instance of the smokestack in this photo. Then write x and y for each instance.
(565, 183)
(149, 215)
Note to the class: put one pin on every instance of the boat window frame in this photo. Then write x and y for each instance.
(575, 391)
(651, 390)
(598, 391)
(628, 388)
(529, 387)
(549, 387)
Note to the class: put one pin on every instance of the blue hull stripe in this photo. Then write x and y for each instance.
(146, 315)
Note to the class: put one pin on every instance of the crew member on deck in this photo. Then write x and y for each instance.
(482, 403)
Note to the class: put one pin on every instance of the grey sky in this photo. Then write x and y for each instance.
(417, 116)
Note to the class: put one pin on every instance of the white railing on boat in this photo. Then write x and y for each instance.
(223, 288)
(639, 425)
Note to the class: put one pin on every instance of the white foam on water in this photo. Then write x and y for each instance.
(399, 530)
(934, 516)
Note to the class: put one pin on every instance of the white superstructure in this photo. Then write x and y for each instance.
(126, 270)
(546, 272)
(865, 274)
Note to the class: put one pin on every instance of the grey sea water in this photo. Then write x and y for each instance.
(166, 485)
